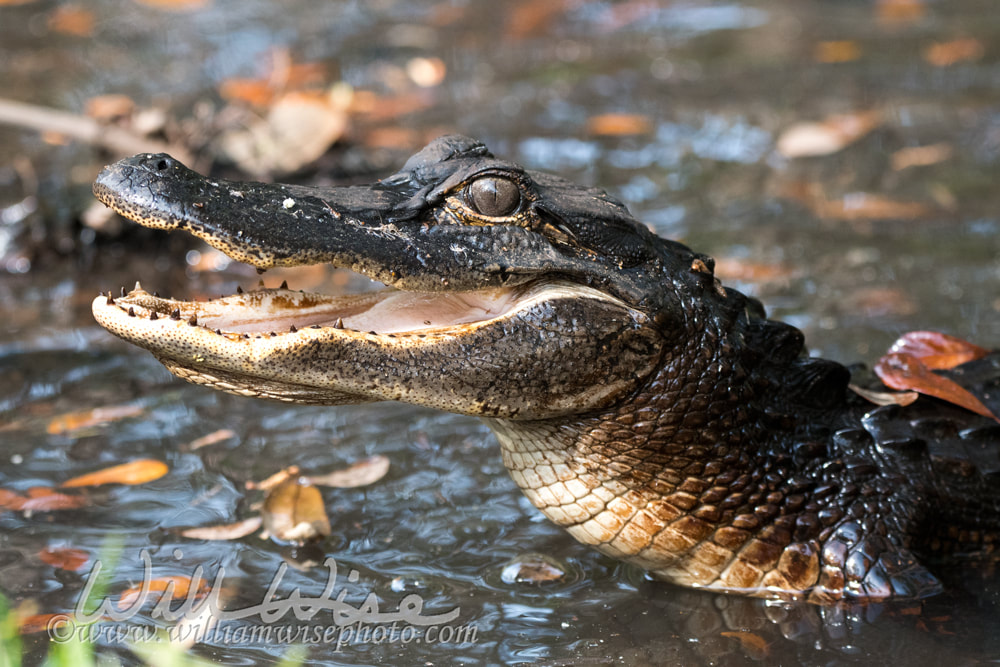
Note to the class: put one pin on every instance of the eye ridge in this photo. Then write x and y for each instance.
(494, 196)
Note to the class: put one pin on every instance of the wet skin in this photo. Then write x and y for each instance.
(652, 412)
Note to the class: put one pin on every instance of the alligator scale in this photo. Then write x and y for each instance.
(641, 405)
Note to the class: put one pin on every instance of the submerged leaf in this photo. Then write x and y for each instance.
(177, 586)
(134, 472)
(64, 558)
(73, 421)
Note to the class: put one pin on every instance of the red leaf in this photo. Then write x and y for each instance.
(906, 372)
(937, 351)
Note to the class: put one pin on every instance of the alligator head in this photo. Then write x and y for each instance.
(653, 413)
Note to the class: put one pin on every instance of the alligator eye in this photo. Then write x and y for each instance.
(495, 197)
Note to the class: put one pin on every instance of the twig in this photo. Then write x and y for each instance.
(83, 128)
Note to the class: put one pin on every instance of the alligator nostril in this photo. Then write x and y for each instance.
(162, 165)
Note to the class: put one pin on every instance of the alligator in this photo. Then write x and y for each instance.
(649, 410)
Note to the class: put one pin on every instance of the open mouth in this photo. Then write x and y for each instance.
(273, 312)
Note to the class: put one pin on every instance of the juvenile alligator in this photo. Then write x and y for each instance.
(652, 412)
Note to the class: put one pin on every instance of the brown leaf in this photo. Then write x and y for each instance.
(921, 156)
(937, 351)
(133, 472)
(294, 512)
(174, 5)
(40, 499)
(894, 12)
(864, 206)
(73, 421)
(64, 558)
(177, 586)
(734, 268)
(755, 646)
(231, 531)
(299, 128)
(905, 372)
(274, 480)
(532, 17)
(361, 473)
(943, 54)
(827, 136)
(618, 124)
(884, 397)
(210, 439)
(71, 20)
(9, 500)
(842, 51)
(106, 108)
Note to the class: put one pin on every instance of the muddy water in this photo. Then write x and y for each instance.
(714, 84)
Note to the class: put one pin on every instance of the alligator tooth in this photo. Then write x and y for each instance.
(245, 336)
(339, 324)
(111, 299)
(284, 284)
(218, 331)
(315, 326)
(123, 290)
(193, 321)
(261, 283)
(292, 329)
(260, 270)
(131, 311)
(156, 294)
(153, 315)
(138, 287)
(176, 314)
(239, 290)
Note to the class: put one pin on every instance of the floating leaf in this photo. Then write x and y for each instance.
(618, 125)
(9, 500)
(274, 480)
(231, 531)
(906, 372)
(174, 5)
(73, 421)
(71, 20)
(109, 107)
(943, 54)
(133, 472)
(211, 439)
(178, 586)
(294, 512)
(64, 558)
(828, 136)
(842, 51)
(299, 128)
(893, 12)
(938, 351)
(921, 156)
(361, 473)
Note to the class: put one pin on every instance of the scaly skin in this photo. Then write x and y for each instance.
(653, 413)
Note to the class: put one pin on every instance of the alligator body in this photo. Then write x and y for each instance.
(641, 405)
